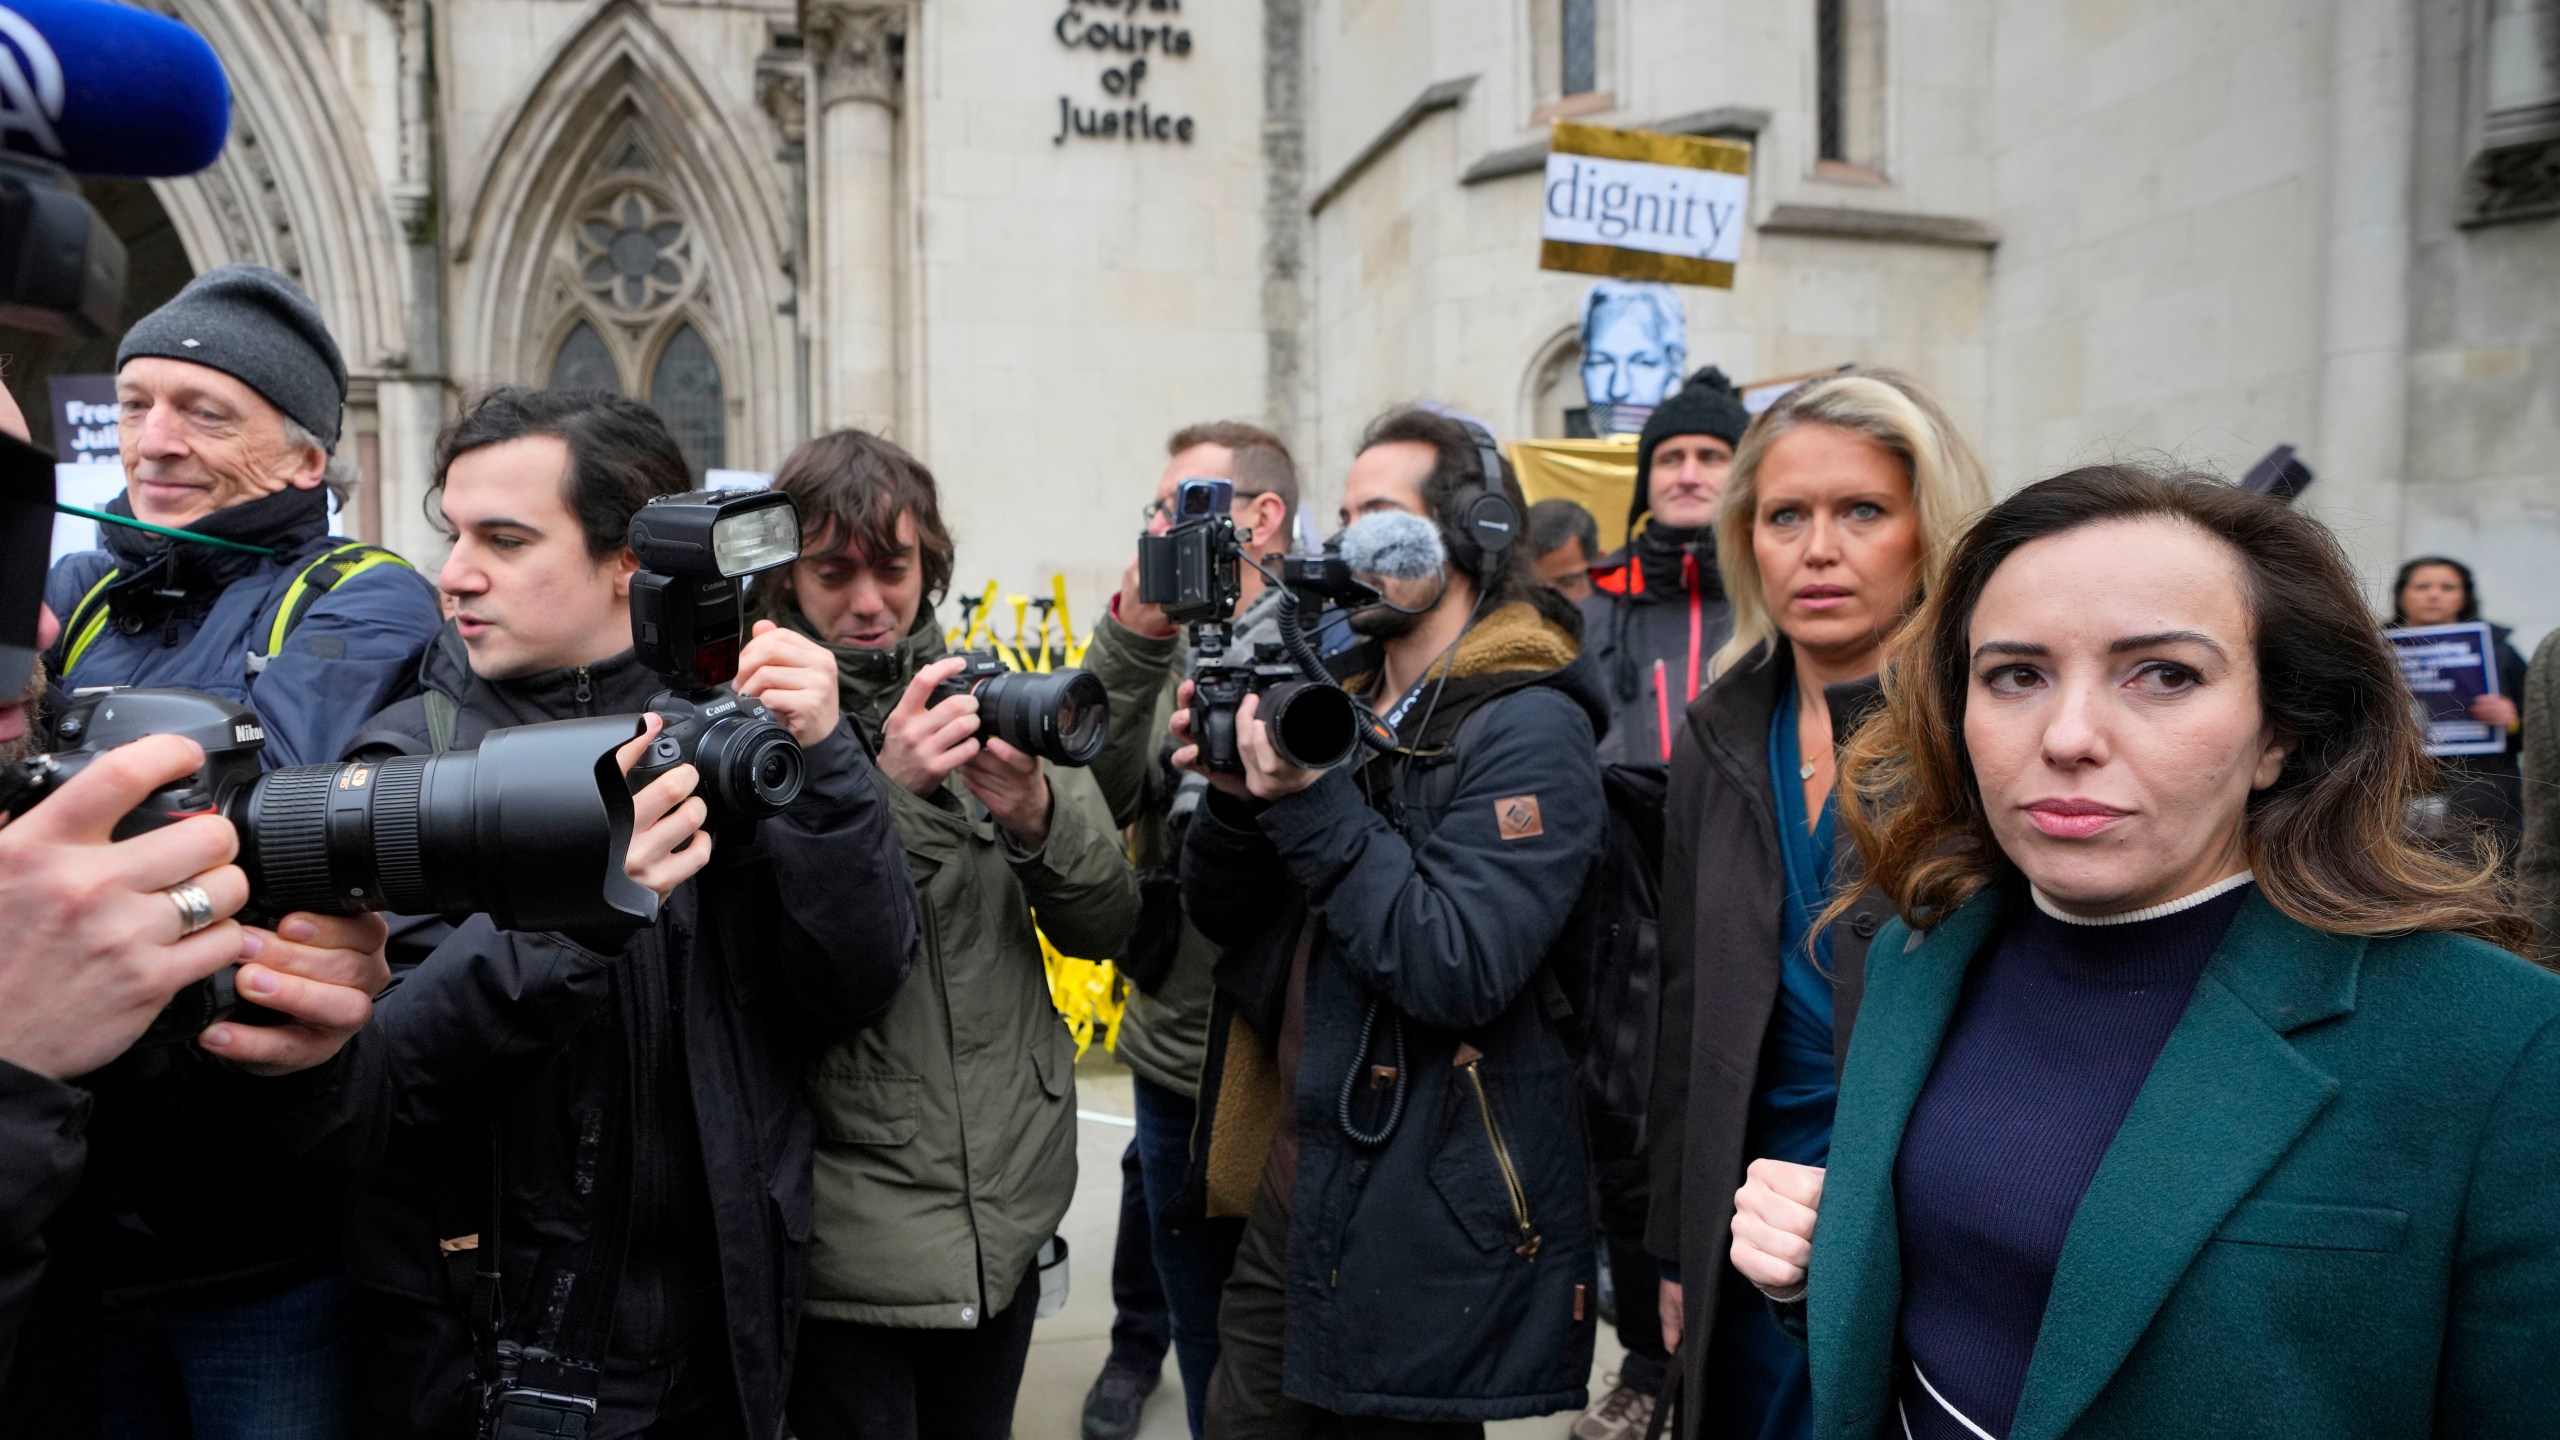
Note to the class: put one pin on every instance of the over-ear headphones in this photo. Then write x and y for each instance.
(1484, 521)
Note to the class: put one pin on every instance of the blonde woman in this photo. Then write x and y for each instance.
(1845, 499)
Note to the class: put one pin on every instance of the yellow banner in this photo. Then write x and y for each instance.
(1598, 475)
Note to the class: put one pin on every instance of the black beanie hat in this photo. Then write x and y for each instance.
(253, 325)
(1707, 405)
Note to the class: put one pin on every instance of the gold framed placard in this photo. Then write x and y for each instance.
(1642, 206)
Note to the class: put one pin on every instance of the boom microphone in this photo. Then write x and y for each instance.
(1393, 545)
(100, 88)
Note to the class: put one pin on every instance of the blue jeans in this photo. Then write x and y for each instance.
(1191, 1261)
(271, 1367)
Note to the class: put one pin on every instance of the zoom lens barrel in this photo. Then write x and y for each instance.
(1312, 726)
(530, 829)
(751, 766)
(1062, 716)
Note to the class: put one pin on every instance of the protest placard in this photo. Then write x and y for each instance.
(1643, 206)
(2448, 667)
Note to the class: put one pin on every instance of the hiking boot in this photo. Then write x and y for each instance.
(1118, 1396)
(1622, 1414)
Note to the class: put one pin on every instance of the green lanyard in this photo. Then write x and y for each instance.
(104, 518)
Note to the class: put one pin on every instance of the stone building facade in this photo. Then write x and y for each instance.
(1028, 240)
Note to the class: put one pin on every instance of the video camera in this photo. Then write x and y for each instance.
(1195, 571)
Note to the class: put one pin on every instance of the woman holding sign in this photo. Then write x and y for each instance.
(2484, 789)
(2189, 1095)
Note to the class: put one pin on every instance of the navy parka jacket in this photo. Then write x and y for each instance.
(1447, 1274)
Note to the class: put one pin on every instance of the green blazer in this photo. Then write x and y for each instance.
(2333, 1212)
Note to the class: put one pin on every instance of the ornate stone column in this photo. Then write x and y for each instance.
(857, 53)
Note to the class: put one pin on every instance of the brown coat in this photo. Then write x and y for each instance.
(1723, 890)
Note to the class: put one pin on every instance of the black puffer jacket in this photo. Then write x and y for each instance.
(652, 1089)
(1656, 601)
(1444, 1274)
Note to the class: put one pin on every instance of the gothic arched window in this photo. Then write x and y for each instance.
(583, 363)
(686, 392)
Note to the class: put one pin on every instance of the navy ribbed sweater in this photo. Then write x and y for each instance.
(2053, 1038)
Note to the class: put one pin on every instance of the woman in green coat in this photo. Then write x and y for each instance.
(946, 1132)
(2191, 1096)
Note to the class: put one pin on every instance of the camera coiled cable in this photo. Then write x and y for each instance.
(1390, 1076)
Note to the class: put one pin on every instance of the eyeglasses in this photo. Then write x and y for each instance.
(1155, 510)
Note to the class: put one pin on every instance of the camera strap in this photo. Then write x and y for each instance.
(323, 573)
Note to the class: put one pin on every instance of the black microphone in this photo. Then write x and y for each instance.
(100, 88)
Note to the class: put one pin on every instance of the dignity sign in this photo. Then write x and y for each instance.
(1642, 206)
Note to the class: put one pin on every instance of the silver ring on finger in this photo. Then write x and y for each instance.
(195, 907)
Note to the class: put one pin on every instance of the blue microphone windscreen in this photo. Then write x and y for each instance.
(101, 88)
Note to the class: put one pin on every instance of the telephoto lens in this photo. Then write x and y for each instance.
(1062, 716)
(529, 829)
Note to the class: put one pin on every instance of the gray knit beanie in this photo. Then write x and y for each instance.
(252, 324)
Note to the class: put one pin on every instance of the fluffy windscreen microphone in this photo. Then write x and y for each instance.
(1393, 545)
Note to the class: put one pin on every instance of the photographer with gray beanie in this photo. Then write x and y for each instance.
(192, 1284)
(224, 578)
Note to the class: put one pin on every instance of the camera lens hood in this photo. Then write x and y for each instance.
(529, 829)
(1063, 716)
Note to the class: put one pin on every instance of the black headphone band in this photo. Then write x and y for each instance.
(1484, 521)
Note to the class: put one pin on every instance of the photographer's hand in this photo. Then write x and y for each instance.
(1188, 756)
(1265, 773)
(668, 843)
(919, 747)
(97, 945)
(322, 971)
(794, 676)
(1015, 791)
(1136, 614)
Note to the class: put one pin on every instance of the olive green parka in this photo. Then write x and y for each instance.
(947, 1132)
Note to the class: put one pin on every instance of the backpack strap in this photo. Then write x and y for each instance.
(444, 716)
(326, 572)
(81, 628)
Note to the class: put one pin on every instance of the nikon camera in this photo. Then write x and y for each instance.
(529, 829)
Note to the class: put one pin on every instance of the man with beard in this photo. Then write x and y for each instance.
(1388, 1095)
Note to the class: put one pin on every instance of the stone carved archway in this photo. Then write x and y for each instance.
(619, 114)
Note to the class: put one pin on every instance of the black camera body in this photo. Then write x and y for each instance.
(1311, 723)
(688, 623)
(749, 764)
(1062, 716)
(1195, 571)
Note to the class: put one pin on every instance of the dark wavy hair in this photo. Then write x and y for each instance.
(851, 485)
(2330, 840)
(621, 455)
(1455, 461)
